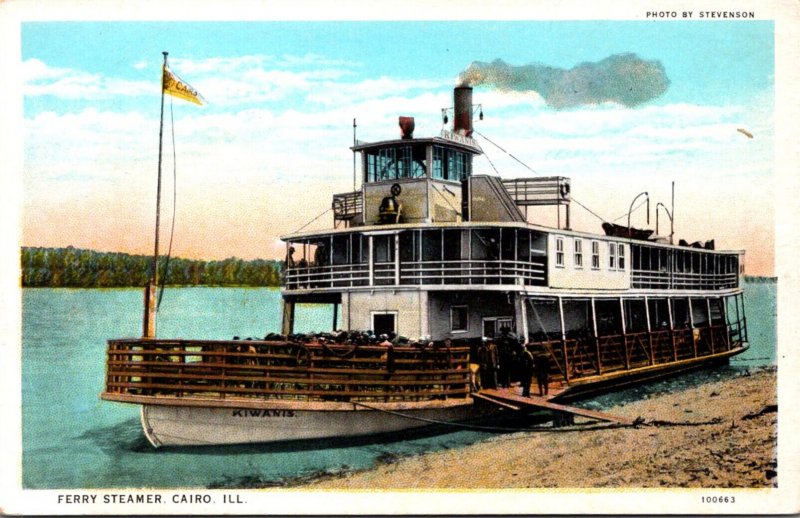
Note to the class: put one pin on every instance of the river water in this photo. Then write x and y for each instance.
(72, 439)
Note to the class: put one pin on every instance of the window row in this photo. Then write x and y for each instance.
(396, 162)
(407, 161)
(616, 254)
(448, 244)
(656, 259)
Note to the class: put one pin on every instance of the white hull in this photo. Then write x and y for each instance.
(167, 425)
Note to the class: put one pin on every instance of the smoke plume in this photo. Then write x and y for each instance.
(625, 79)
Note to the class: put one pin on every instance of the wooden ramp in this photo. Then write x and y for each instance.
(510, 399)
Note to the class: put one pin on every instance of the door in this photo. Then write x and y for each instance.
(492, 326)
(383, 323)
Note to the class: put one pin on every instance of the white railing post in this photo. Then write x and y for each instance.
(371, 262)
(397, 259)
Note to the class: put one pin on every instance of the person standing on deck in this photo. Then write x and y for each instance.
(526, 369)
(487, 359)
(541, 365)
(505, 353)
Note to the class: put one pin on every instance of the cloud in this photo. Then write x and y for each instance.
(66, 83)
(625, 79)
(269, 169)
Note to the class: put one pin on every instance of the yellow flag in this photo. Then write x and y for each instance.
(177, 88)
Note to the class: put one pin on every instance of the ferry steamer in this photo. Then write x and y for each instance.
(428, 250)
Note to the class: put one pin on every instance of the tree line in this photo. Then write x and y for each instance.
(76, 268)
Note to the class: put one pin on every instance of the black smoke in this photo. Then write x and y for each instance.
(624, 79)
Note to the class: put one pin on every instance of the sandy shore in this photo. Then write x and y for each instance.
(733, 447)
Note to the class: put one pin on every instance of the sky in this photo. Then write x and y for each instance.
(264, 155)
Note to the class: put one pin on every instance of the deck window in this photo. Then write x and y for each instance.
(578, 253)
(595, 255)
(621, 256)
(459, 319)
(560, 251)
(612, 256)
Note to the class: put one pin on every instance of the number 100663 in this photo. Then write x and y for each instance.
(718, 499)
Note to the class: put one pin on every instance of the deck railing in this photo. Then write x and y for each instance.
(285, 370)
(683, 281)
(471, 272)
(572, 359)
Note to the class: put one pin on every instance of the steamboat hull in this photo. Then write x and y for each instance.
(165, 425)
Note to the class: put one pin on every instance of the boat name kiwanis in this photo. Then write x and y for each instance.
(262, 413)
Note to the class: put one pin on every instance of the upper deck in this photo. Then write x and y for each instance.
(501, 255)
(422, 218)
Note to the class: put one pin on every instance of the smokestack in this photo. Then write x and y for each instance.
(462, 111)
(406, 127)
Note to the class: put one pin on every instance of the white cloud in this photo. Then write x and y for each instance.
(284, 163)
(65, 83)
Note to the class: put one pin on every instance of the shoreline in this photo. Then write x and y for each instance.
(719, 434)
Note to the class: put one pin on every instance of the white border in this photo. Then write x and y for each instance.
(785, 499)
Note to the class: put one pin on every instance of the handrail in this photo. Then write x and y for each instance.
(279, 369)
(472, 271)
(618, 352)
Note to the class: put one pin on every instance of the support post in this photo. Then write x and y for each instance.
(710, 325)
(691, 324)
(371, 262)
(738, 319)
(335, 315)
(596, 339)
(563, 340)
(624, 334)
(287, 325)
(397, 259)
(744, 319)
(149, 320)
(523, 318)
(649, 331)
(672, 330)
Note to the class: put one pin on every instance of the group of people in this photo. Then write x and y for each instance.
(500, 359)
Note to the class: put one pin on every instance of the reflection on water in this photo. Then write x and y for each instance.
(72, 439)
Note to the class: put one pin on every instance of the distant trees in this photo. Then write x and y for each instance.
(756, 279)
(77, 268)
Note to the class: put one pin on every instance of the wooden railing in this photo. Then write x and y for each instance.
(572, 359)
(285, 370)
(682, 280)
(472, 272)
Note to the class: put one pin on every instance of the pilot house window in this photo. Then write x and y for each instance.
(449, 164)
(595, 255)
(578, 253)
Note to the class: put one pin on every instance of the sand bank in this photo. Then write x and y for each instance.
(722, 434)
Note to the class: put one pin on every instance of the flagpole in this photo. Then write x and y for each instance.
(149, 325)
